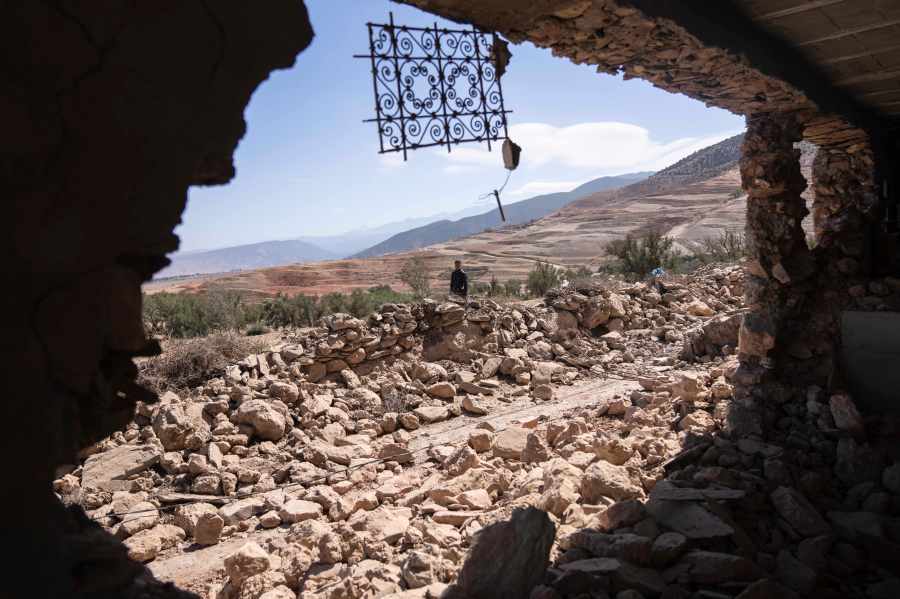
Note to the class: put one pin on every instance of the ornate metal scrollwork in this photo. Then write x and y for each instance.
(434, 87)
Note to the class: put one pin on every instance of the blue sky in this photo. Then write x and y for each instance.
(309, 166)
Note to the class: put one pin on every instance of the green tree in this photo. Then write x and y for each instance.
(729, 246)
(496, 288)
(543, 277)
(414, 273)
(637, 256)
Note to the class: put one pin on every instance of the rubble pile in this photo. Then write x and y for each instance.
(327, 442)
(812, 511)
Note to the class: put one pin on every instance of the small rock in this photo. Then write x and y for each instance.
(143, 546)
(408, 421)
(208, 529)
(603, 479)
(441, 390)
(542, 392)
(799, 512)
(298, 510)
(481, 440)
(511, 443)
(430, 414)
(247, 561)
(270, 519)
(794, 574)
(470, 405)
(535, 450)
(667, 548)
(846, 416)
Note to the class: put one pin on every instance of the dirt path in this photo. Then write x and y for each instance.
(501, 415)
(194, 569)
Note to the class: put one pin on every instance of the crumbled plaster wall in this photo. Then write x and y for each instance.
(110, 111)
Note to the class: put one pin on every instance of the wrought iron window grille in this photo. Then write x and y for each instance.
(434, 86)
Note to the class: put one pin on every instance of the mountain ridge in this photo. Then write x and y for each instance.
(516, 213)
(243, 257)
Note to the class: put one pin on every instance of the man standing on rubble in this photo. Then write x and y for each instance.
(459, 281)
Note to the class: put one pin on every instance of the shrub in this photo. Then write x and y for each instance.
(186, 363)
(414, 273)
(496, 288)
(479, 288)
(188, 315)
(578, 276)
(729, 246)
(513, 287)
(543, 277)
(636, 257)
(182, 315)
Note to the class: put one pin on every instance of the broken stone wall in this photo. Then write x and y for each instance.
(795, 294)
(110, 112)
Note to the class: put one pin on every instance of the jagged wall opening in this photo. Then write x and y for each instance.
(110, 111)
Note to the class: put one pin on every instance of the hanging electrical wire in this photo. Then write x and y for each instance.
(511, 153)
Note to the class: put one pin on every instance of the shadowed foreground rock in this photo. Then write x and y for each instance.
(508, 558)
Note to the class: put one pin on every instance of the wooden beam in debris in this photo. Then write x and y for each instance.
(795, 10)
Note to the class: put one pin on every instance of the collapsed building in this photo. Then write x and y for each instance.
(114, 110)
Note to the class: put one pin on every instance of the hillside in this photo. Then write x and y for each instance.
(516, 213)
(696, 198)
(244, 257)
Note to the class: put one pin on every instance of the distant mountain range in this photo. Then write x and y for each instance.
(516, 213)
(244, 257)
(396, 236)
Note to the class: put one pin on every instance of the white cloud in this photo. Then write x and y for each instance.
(455, 169)
(391, 160)
(601, 147)
(534, 188)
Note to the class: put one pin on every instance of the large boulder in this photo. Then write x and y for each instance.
(298, 510)
(603, 479)
(286, 392)
(267, 421)
(712, 336)
(109, 469)
(429, 372)
(511, 443)
(508, 559)
(594, 312)
(441, 390)
(186, 516)
(250, 559)
(172, 426)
